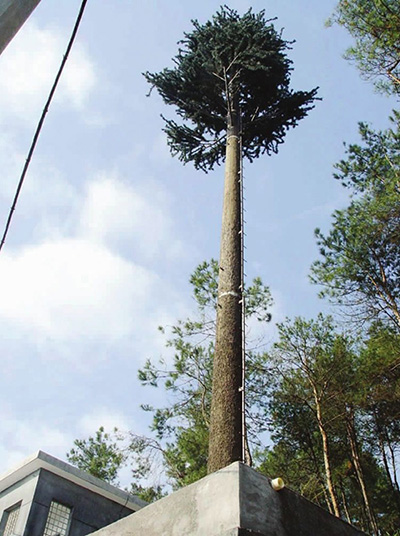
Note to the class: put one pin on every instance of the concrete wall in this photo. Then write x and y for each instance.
(22, 492)
(208, 507)
(13, 14)
(284, 512)
(236, 501)
(89, 511)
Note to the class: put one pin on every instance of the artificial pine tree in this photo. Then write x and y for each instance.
(230, 87)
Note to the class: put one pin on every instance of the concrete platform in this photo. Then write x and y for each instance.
(236, 501)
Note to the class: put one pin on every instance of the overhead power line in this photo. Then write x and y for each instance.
(41, 121)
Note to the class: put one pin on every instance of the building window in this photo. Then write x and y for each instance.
(58, 520)
(10, 516)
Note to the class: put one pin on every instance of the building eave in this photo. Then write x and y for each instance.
(42, 460)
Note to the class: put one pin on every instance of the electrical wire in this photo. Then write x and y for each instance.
(41, 121)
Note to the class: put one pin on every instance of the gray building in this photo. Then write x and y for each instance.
(13, 14)
(45, 496)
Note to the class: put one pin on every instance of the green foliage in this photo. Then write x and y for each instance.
(183, 424)
(230, 58)
(375, 26)
(186, 457)
(105, 454)
(359, 267)
(374, 167)
(312, 364)
(380, 370)
(360, 263)
(147, 493)
(99, 456)
(205, 284)
(315, 365)
(204, 281)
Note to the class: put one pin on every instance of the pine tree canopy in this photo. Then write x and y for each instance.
(230, 62)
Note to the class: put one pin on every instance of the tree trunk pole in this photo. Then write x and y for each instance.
(226, 437)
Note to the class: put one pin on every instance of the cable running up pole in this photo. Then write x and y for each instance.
(242, 278)
(41, 121)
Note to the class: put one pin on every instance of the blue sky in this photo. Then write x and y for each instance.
(109, 226)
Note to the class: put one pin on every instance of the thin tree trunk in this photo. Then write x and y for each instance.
(319, 477)
(325, 450)
(226, 435)
(393, 460)
(351, 433)
(328, 470)
(386, 465)
(327, 498)
(384, 457)
(394, 466)
(393, 485)
(344, 501)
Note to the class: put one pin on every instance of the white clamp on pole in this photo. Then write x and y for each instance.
(229, 293)
(277, 484)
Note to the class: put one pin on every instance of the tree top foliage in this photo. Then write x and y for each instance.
(375, 26)
(230, 59)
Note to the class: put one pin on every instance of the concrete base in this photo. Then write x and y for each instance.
(236, 501)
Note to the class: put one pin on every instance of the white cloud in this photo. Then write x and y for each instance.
(88, 284)
(45, 193)
(12, 161)
(28, 68)
(261, 334)
(160, 150)
(73, 288)
(128, 218)
(19, 439)
(90, 422)
(79, 77)
(75, 301)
